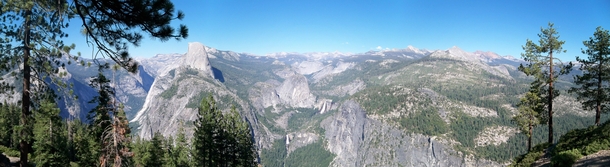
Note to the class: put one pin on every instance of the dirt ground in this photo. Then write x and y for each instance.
(599, 159)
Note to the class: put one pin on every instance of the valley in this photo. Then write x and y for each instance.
(408, 107)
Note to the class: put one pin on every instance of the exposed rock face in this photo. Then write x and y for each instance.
(331, 70)
(300, 139)
(495, 135)
(263, 94)
(177, 89)
(476, 60)
(294, 91)
(10, 97)
(197, 58)
(132, 89)
(345, 134)
(308, 67)
(345, 89)
(325, 105)
(161, 63)
(360, 141)
(174, 98)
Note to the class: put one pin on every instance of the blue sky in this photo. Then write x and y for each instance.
(262, 27)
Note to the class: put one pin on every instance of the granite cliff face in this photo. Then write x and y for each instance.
(176, 92)
(360, 141)
(197, 58)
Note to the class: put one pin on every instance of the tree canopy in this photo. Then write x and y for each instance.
(594, 89)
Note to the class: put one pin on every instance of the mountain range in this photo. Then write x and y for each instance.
(399, 107)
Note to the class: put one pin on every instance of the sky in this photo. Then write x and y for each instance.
(356, 26)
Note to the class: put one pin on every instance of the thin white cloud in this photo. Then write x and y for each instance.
(379, 47)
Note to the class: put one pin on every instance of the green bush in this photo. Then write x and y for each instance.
(566, 158)
(595, 146)
(74, 164)
(526, 159)
(589, 140)
(9, 152)
(540, 147)
(529, 158)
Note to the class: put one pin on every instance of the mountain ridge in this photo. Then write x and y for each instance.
(306, 99)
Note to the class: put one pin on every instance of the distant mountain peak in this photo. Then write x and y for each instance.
(416, 50)
(411, 48)
(456, 49)
(487, 55)
(197, 57)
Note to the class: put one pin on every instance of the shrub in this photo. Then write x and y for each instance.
(9, 152)
(566, 158)
(527, 159)
(595, 146)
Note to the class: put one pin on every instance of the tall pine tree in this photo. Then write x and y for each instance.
(245, 152)
(32, 44)
(594, 87)
(99, 116)
(116, 140)
(30, 47)
(181, 149)
(530, 107)
(546, 68)
(205, 130)
(156, 151)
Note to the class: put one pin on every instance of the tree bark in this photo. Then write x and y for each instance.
(598, 108)
(24, 144)
(550, 100)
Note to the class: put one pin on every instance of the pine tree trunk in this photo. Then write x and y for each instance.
(550, 100)
(598, 108)
(24, 145)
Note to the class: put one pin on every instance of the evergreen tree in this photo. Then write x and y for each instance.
(99, 116)
(50, 141)
(245, 150)
(31, 32)
(141, 156)
(9, 118)
(116, 140)
(203, 145)
(530, 107)
(86, 147)
(169, 159)
(221, 140)
(113, 24)
(36, 29)
(156, 151)
(594, 88)
(181, 148)
(546, 68)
